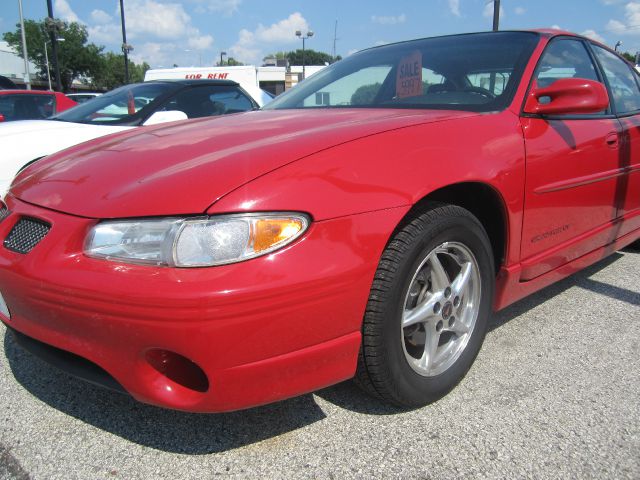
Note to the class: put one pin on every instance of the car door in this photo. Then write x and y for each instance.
(570, 169)
(625, 94)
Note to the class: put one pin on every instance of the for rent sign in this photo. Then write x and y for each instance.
(208, 76)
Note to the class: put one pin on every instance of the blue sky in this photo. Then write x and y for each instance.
(190, 32)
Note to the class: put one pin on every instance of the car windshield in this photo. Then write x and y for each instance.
(474, 72)
(123, 106)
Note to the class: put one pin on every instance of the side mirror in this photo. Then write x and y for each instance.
(164, 117)
(567, 96)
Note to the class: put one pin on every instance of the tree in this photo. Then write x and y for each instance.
(311, 57)
(76, 57)
(365, 94)
(231, 62)
(111, 72)
(629, 57)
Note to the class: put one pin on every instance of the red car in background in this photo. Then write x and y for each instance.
(366, 223)
(32, 104)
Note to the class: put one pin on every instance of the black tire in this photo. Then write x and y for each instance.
(383, 369)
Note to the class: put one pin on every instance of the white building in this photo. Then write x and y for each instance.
(12, 65)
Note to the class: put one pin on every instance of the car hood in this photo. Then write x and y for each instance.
(185, 167)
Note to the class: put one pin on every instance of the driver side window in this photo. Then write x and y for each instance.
(565, 58)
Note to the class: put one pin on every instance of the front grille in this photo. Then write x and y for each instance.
(26, 234)
(4, 213)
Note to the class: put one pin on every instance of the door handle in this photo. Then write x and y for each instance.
(612, 139)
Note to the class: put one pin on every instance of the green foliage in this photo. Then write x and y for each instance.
(231, 62)
(365, 94)
(629, 57)
(311, 57)
(111, 72)
(76, 57)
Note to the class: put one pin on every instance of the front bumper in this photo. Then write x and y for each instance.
(261, 330)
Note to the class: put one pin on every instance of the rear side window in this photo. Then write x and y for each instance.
(26, 107)
(565, 58)
(624, 89)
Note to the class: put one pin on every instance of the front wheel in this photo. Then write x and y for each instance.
(428, 308)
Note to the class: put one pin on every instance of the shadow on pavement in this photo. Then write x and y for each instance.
(197, 434)
(166, 430)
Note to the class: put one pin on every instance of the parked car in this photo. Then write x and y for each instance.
(32, 104)
(83, 97)
(7, 83)
(130, 106)
(366, 223)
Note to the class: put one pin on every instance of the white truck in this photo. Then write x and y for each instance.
(245, 75)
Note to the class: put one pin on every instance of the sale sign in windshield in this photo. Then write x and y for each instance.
(409, 76)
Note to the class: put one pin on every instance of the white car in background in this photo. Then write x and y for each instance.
(135, 105)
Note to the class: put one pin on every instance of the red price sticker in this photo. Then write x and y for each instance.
(409, 76)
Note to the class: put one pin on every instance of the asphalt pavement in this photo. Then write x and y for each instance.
(554, 393)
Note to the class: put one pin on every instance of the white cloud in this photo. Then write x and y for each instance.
(488, 11)
(162, 20)
(520, 11)
(248, 48)
(63, 10)
(629, 26)
(381, 42)
(555, 26)
(454, 7)
(283, 31)
(593, 35)
(155, 53)
(227, 7)
(389, 20)
(108, 33)
(100, 16)
(200, 42)
(160, 31)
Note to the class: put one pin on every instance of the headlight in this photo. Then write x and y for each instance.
(194, 242)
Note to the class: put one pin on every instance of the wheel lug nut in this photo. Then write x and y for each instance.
(447, 292)
(439, 326)
(456, 301)
(436, 308)
(452, 320)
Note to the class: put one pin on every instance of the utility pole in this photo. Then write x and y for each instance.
(126, 48)
(53, 33)
(496, 15)
(335, 38)
(27, 78)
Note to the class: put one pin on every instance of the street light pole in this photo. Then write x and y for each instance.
(46, 59)
(618, 44)
(27, 78)
(53, 34)
(222, 61)
(309, 34)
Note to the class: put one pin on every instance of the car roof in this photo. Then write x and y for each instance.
(31, 92)
(545, 32)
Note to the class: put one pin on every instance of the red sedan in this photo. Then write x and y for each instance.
(366, 223)
(32, 104)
